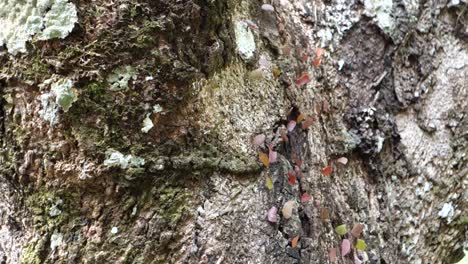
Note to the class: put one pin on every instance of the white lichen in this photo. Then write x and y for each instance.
(120, 77)
(21, 20)
(245, 40)
(381, 11)
(157, 108)
(117, 159)
(54, 210)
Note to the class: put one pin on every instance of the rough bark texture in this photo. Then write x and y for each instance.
(392, 98)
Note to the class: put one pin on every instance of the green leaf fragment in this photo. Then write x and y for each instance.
(341, 230)
(269, 183)
(361, 244)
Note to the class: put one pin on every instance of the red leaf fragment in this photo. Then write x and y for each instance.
(297, 161)
(258, 140)
(327, 171)
(291, 125)
(284, 136)
(294, 241)
(345, 247)
(332, 254)
(291, 178)
(307, 123)
(304, 79)
(342, 160)
(305, 197)
(357, 230)
(272, 215)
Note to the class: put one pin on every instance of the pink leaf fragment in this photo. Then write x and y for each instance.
(267, 7)
(357, 230)
(291, 125)
(305, 197)
(342, 160)
(332, 254)
(272, 155)
(258, 140)
(251, 24)
(345, 247)
(357, 260)
(272, 214)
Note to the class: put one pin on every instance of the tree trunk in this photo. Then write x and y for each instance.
(146, 132)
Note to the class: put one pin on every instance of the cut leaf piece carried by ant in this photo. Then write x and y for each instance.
(302, 80)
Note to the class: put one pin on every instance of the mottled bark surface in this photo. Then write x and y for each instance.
(390, 95)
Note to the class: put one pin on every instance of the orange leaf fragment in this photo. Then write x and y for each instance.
(291, 178)
(357, 230)
(304, 79)
(318, 57)
(294, 241)
(264, 159)
(276, 72)
(327, 171)
(300, 117)
(324, 214)
(307, 123)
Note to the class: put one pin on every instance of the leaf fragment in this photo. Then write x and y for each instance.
(294, 241)
(318, 57)
(305, 197)
(302, 80)
(327, 171)
(291, 178)
(272, 215)
(307, 123)
(264, 159)
(324, 214)
(342, 160)
(272, 155)
(284, 136)
(258, 140)
(357, 230)
(288, 209)
(341, 230)
(291, 125)
(345, 247)
(332, 254)
(268, 8)
(300, 118)
(269, 183)
(276, 72)
(361, 244)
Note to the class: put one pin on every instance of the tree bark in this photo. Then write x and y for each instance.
(153, 154)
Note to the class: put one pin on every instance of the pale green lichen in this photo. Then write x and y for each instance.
(117, 159)
(56, 240)
(120, 77)
(147, 124)
(381, 11)
(245, 40)
(21, 20)
(65, 96)
(49, 111)
(62, 95)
